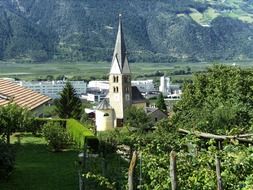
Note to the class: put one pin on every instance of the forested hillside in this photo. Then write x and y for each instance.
(155, 31)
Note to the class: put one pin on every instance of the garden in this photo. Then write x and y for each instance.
(206, 144)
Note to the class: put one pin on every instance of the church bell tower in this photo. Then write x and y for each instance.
(120, 91)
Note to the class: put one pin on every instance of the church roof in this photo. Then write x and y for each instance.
(103, 105)
(136, 95)
(119, 61)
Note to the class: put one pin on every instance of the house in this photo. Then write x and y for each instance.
(155, 114)
(23, 97)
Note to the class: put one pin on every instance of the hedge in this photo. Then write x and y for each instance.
(80, 133)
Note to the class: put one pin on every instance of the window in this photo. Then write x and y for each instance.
(127, 90)
(126, 79)
(106, 114)
(116, 89)
(115, 79)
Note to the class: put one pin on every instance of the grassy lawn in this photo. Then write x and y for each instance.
(39, 169)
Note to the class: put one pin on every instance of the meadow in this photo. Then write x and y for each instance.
(100, 70)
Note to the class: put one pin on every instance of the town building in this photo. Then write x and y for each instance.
(144, 86)
(10, 93)
(97, 85)
(53, 88)
(171, 91)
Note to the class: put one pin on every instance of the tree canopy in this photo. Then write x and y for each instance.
(137, 118)
(218, 101)
(160, 103)
(12, 118)
(68, 105)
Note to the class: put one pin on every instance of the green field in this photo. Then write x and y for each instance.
(38, 168)
(99, 70)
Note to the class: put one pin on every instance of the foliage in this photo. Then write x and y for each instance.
(38, 123)
(160, 103)
(79, 133)
(56, 136)
(100, 182)
(137, 119)
(13, 118)
(7, 159)
(68, 105)
(219, 101)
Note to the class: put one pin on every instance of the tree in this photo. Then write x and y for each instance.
(137, 118)
(56, 136)
(68, 105)
(160, 103)
(218, 101)
(12, 118)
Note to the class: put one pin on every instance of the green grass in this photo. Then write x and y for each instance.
(39, 169)
(99, 70)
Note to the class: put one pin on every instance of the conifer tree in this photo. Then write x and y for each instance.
(160, 103)
(68, 105)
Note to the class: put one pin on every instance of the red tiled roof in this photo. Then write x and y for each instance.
(22, 96)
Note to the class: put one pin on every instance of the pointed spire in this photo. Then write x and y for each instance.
(119, 56)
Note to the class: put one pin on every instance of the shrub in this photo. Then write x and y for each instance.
(37, 124)
(56, 136)
(7, 159)
(78, 133)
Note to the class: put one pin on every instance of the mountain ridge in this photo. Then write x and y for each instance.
(155, 31)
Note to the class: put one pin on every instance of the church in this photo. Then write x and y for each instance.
(111, 111)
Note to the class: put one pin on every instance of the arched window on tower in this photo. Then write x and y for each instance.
(126, 79)
(117, 89)
(117, 79)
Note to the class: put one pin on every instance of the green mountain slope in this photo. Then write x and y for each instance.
(159, 31)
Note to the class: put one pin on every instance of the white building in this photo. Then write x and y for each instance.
(144, 85)
(169, 90)
(53, 88)
(164, 84)
(95, 97)
(98, 85)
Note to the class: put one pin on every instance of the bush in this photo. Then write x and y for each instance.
(78, 133)
(7, 159)
(56, 136)
(37, 124)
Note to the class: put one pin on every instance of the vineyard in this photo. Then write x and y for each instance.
(204, 145)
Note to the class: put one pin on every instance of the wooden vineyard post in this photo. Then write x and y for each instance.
(131, 171)
(218, 172)
(173, 168)
(84, 162)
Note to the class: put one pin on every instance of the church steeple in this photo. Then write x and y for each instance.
(120, 91)
(119, 61)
